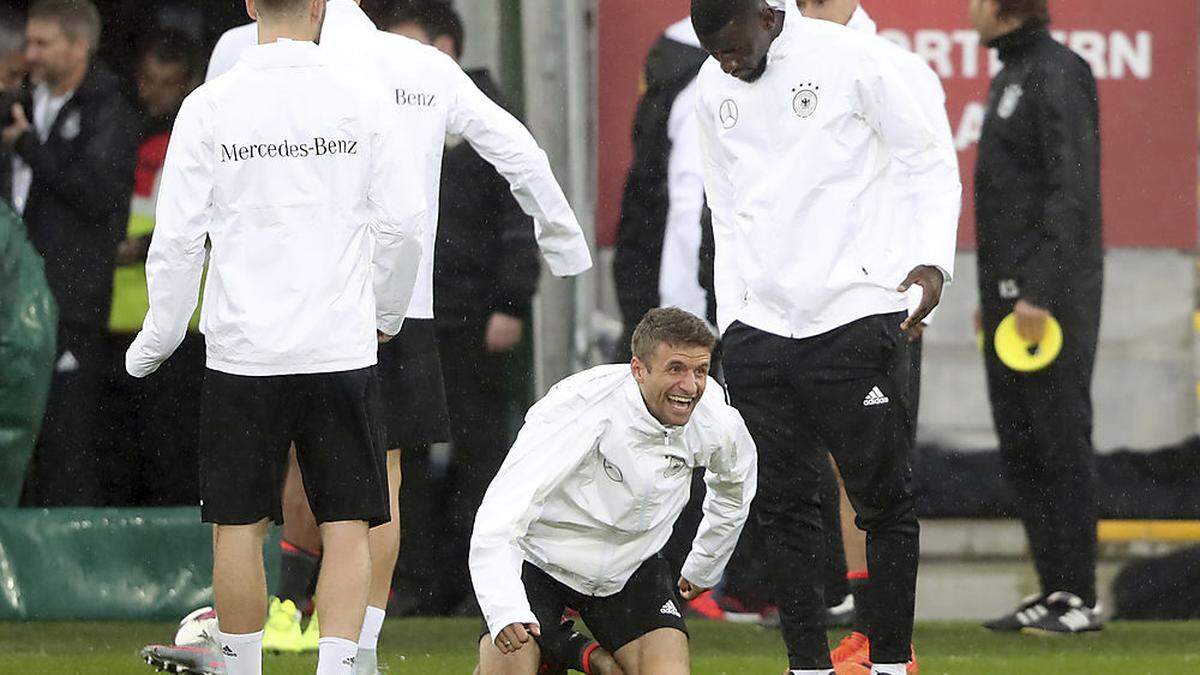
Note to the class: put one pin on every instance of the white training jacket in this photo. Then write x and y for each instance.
(299, 174)
(928, 91)
(434, 97)
(593, 486)
(801, 174)
(679, 268)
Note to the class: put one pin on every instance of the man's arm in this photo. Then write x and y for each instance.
(505, 143)
(1063, 104)
(520, 268)
(550, 445)
(400, 206)
(728, 285)
(97, 182)
(175, 262)
(927, 168)
(732, 479)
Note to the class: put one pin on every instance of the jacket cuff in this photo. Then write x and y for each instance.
(503, 620)
(700, 572)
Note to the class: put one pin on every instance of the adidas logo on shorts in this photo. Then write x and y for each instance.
(670, 608)
(875, 397)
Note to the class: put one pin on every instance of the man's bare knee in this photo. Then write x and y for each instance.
(525, 661)
(663, 651)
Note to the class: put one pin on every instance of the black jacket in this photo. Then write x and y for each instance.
(1037, 181)
(78, 205)
(637, 263)
(486, 258)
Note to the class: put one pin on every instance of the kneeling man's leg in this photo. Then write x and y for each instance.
(663, 651)
(642, 625)
(524, 661)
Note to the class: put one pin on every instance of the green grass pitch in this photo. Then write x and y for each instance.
(436, 646)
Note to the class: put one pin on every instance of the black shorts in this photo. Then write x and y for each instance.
(414, 396)
(648, 601)
(247, 424)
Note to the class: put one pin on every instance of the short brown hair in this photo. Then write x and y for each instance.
(1025, 10)
(78, 19)
(672, 326)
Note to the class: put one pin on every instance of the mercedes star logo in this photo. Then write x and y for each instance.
(729, 113)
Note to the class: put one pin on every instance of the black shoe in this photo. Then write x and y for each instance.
(1066, 613)
(1030, 610)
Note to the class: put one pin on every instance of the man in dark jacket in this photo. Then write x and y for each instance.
(657, 259)
(74, 144)
(1041, 255)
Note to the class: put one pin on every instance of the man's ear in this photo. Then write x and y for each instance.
(251, 10)
(638, 369)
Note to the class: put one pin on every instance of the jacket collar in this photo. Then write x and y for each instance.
(1013, 45)
(345, 17)
(862, 22)
(283, 53)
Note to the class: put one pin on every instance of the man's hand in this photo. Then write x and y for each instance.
(503, 332)
(690, 591)
(132, 251)
(931, 280)
(516, 635)
(1031, 321)
(383, 337)
(20, 125)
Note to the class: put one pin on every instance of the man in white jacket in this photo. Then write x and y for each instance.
(803, 125)
(297, 172)
(433, 97)
(929, 94)
(589, 494)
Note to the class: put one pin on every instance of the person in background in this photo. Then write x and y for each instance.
(486, 271)
(1041, 255)
(434, 98)
(657, 257)
(145, 425)
(850, 548)
(74, 145)
(813, 263)
(12, 79)
(297, 172)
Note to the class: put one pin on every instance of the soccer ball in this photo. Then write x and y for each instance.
(198, 628)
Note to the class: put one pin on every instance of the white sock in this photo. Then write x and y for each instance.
(335, 656)
(243, 653)
(818, 671)
(889, 669)
(372, 624)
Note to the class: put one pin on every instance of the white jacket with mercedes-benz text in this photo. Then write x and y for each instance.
(592, 488)
(301, 179)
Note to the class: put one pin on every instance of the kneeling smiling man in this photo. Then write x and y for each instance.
(589, 494)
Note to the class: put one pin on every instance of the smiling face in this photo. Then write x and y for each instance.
(672, 380)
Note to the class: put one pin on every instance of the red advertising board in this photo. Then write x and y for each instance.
(1145, 62)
